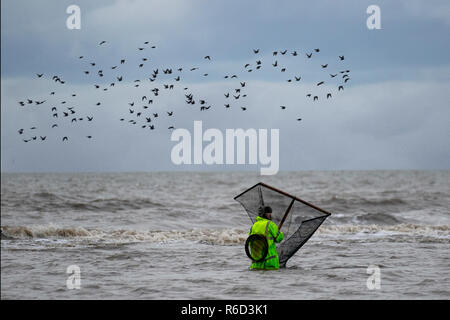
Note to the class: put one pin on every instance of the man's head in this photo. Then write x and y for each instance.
(265, 212)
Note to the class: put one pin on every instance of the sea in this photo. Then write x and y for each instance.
(180, 235)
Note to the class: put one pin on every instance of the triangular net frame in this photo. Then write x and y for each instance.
(298, 218)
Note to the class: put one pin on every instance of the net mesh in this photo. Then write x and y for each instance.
(299, 225)
(257, 247)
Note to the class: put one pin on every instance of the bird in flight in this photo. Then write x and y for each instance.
(203, 104)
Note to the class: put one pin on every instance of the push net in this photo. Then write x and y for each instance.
(297, 219)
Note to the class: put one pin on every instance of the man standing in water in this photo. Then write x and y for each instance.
(263, 225)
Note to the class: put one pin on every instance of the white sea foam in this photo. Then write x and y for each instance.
(209, 236)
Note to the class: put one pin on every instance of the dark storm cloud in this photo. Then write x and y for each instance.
(392, 116)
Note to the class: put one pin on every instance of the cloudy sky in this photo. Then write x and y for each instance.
(394, 113)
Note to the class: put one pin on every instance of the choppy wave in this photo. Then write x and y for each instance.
(213, 236)
(403, 228)
(42, 201)
(363, 201)
(46, 201)
(210, 236)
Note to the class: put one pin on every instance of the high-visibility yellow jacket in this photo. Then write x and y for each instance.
(270, 230)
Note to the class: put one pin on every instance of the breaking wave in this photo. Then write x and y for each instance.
(404, 228)
(212, 236)
(209, 236)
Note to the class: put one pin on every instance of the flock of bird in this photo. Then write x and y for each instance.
(141, 112)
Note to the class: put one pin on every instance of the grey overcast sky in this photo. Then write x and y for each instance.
(394, 113)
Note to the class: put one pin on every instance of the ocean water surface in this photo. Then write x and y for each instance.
(181, 236)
